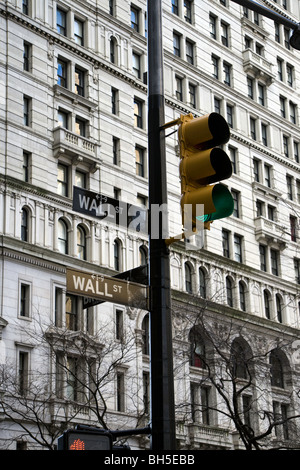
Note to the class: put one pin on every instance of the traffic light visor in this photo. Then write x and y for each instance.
(216, 201)
(204, 132)
(206, 167)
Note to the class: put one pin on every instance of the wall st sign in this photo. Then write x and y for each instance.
(105, 288)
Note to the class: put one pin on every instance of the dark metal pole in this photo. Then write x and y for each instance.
(162, 380)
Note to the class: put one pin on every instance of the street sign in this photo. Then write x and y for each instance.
(106, 288)
(137, 275)
(109, 209)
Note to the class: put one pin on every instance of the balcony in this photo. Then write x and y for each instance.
(209, 437)
(270, 232)
(258, 65)
(77, 147)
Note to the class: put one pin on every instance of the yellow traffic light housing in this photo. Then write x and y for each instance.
(201, 164)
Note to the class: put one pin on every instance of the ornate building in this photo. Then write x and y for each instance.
(74, 114)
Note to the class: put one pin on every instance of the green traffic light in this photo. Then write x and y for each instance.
(223, 202)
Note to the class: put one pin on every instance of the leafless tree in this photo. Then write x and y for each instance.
(75, 376)
(238, 362)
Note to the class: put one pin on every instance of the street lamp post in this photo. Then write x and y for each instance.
(161, 355)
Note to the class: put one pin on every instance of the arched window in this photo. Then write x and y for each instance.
(25, 225)
(198, 353)
(81, 242)
(277, 379)
(279, 308)
(202, 283)
(188, 277)
(62, 237)
(267, 304)
(242, 296)
(117, 255)
(143, 255)
(238, 360)
(229, 292)
(145, 333)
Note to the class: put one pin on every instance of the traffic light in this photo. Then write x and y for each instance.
(85, 440)
(201, 164)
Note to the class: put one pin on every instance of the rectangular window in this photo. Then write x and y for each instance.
(120, 392)
(213, 26)
(25, 7)
(233, 158)
(26, 166)
(176, 44)
(280, 69)
(146, 392)
(236, 198)
(285, 142)
(297, 270)
(296, 151)
(293, 112)
(187, 11)
(23, 372)
(136, 65)
(134, 15)
(62, 73)
(178, 90)
(192, 95)
(215, 64)
(27, 111)
(225, 242)
(63, 119)
(274, 262)
(256, 170)
(238, 248)
(227, 73)
(268, 175)
(224, 34)
(290, 74)
(175, 7)
(24, 300)
(80, 179)
(79, 81)
(61, 21)
(205, 405)
(114, 101)
(80, 127)
(119, 324)
(58, 306)
(139, 161)
(62, 180)
(27, 57)
(116, 151)
(263, 258)
(264, 134)
(189, 52)
(261, 94)
(78, 32)
(253, 128)
(72, 313)
(138, 113)
(293, 228)
(289, 185)
(229, 114)
(250, 83)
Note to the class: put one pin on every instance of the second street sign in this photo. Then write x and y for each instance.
(105, 288)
